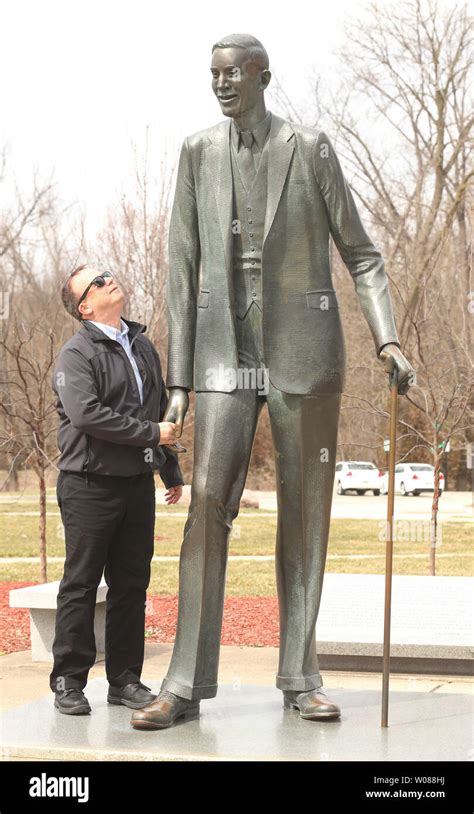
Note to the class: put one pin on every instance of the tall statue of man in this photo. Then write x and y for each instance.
(253, 317)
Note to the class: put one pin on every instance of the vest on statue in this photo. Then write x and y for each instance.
(248, 225)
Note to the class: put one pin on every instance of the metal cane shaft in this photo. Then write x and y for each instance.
(389, 550)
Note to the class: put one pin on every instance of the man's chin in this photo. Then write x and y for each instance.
(231, 114)
(230, 110)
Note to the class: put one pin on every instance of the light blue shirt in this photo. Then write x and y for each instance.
(122, 337)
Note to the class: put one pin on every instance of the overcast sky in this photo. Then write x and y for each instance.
(81, 81)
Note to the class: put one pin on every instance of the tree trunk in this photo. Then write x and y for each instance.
(434, 518)
(42, 525)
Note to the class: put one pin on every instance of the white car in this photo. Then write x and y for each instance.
(358, 476)
(412, 479)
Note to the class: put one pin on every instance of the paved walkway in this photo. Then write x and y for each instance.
(429, 717)
(23, 680)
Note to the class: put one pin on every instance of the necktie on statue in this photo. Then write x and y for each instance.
(246, 159)
(247, 138)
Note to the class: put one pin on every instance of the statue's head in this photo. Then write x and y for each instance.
(240, 74)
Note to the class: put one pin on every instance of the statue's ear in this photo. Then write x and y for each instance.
(265, 78)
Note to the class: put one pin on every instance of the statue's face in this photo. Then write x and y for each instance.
(236, 81)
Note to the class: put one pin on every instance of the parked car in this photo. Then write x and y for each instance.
(412, 479)
(358, 476)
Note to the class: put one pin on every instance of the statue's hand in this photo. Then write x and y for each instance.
(176, 410)
(392, 357)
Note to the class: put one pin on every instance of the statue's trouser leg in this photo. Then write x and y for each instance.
(224, 429)
(304, 430)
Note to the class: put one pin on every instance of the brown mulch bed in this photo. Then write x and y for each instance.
(248, 620)
(14, 622)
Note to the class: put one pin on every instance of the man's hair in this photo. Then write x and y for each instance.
(254, 48)
(69, 299)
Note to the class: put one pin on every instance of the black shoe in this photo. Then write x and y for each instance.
(135, 695)
(72, 702)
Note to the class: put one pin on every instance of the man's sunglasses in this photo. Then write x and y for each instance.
(98, 281)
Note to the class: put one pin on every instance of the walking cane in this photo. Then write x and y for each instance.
(391, 369)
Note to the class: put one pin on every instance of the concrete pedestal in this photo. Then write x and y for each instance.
(248, 722)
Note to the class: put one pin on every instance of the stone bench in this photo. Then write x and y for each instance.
(432, 624)
(41, 602)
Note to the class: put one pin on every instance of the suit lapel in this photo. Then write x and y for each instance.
(280, 150)
(221, 174)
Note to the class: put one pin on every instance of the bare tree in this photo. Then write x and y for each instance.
(134, 243)
(28, 430)
(33, 260)
(402, 119)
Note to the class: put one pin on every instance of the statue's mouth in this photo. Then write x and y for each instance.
(230, 98)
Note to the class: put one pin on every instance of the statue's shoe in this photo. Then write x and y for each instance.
(164, 711)
(313, 705)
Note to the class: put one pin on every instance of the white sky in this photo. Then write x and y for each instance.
(81, 81)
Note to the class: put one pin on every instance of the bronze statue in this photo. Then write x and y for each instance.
(253, 317)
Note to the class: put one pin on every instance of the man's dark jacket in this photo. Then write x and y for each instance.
(103, 427)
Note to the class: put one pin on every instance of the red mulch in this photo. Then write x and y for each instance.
(248, 620)
(14, 622)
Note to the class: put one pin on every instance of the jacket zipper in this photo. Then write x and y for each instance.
(132, 372)
(86, 462)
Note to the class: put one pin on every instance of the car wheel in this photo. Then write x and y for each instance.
(340, 490)
(416, 494)
(360, 491)
(376, 492)
(403, 491)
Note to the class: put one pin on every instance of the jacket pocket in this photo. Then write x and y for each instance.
(322, 299)
(203, 298)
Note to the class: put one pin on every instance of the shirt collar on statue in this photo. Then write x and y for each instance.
(260, 132)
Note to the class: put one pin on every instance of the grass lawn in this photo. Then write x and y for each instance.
(243, 578)
(250, 535)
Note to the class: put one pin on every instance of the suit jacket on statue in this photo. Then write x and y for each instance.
(308, 199)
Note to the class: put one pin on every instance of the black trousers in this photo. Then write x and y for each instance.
(109, 528)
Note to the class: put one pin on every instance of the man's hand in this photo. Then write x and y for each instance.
(391, 356)
(173, 494)
(167, 432)
(177, 408)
